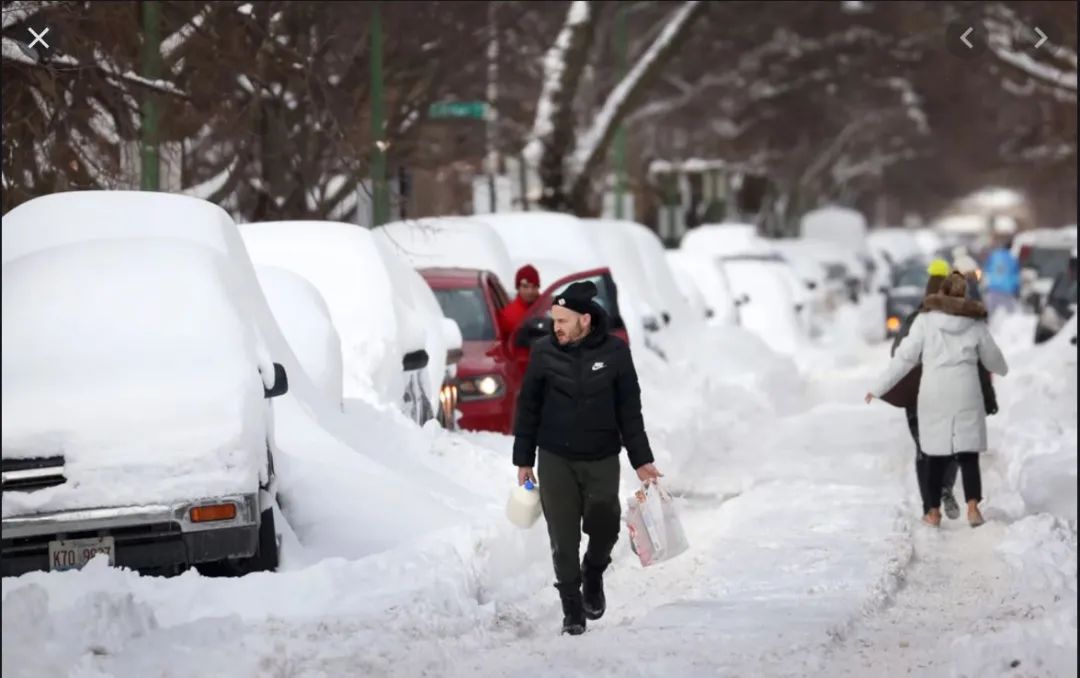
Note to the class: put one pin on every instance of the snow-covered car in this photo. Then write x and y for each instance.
(705, 286)
(394, 351)
(304, 319)
(1060, 304)
(894, 246)
(769, 309)
(137, 420)
(674, 311)
(843, 231)
(905, 294)
(1044, 255)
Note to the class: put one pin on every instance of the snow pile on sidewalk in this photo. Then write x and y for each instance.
(1034, 440)
(1041, 638)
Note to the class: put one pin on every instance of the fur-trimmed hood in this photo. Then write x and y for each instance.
(958, 306)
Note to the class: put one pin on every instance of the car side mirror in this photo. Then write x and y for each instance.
(281, 383)
(743, 300)
(667, 317)
(531, 330)
(417, 360)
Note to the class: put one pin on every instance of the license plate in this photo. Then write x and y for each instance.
(72, 554)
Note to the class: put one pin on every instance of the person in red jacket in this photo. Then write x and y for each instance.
(527, 280)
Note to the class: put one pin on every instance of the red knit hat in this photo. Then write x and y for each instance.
(527, 274)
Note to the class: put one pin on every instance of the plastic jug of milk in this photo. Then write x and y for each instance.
(523, 509)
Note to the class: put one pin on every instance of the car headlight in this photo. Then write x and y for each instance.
(484, 386)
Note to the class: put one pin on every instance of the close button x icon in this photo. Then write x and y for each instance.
(38, 37)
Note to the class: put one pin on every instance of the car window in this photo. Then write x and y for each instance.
(468, 308)
(1050, 262)
(912, 276)
(1064, 290)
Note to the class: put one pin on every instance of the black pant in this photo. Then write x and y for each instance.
(969, 465)
(573, 493)
(949, 477)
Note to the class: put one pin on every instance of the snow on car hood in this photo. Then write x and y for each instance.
(128, 358)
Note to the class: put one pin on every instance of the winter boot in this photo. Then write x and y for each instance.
(573, 611)
(948, 502)
(592, 589)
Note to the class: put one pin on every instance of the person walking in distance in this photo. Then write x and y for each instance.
(580, 403)
(951, 337)
(527, 280)
(1002, 272)
(938, 271)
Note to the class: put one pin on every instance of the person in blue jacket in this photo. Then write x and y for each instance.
(1002, 274)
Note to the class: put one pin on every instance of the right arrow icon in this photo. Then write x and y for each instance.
(1042, 37)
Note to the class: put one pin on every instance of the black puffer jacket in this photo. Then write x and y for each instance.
(581, 401)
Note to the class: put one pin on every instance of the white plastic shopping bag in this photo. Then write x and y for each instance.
(656, 534)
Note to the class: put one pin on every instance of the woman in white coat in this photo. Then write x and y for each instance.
(950, 342)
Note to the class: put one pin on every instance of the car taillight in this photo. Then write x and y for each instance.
(1025, 252)
(893, 323)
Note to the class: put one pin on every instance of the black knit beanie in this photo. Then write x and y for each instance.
(578, 297)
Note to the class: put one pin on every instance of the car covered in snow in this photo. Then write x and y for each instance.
(1044, 255)
(769, 310)
(137, 413)
(906, 293)
(1060, 304)
(704, 283)
(304, 319)
(395, 346)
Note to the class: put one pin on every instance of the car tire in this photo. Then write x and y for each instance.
(266, 559)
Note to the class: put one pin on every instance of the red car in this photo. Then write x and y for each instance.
(489, 375)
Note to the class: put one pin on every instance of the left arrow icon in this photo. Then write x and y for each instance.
(963, 38)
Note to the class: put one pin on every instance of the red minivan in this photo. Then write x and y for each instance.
(490, 371)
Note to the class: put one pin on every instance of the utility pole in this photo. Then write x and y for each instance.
(620, 133)
(492, 113)
(380, 203)
(151, 69)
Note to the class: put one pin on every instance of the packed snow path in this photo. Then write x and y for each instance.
(807, 559)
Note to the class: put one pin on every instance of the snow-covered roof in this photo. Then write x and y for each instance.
(724, 240)
(837, 225)
(546, 235)
(450, 242)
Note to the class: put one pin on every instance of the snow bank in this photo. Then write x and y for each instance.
(1034, 439)
(304, 319)
(114, 348)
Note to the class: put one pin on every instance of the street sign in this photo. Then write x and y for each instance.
(458, 109)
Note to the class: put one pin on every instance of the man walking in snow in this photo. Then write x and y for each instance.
(580, 402)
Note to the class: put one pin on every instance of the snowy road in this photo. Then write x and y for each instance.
(807, 559)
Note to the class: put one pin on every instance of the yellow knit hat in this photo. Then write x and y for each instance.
(939, 268)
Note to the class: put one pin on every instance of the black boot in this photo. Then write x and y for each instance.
(573, 612)
(592, 589)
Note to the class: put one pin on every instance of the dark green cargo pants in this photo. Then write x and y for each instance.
(575, 495)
